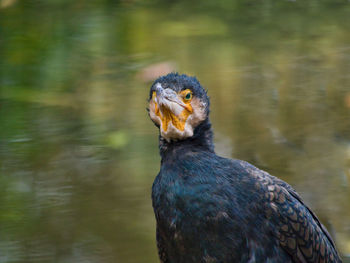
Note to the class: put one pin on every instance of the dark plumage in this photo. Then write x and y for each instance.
(213, 209)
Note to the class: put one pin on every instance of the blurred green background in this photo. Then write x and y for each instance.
(78, 153)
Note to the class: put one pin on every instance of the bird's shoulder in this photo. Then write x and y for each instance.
(297, 228)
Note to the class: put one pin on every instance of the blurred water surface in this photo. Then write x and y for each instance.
(78, 153)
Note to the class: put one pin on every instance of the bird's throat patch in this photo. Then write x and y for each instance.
(167, 116)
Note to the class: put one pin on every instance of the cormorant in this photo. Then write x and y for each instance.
(213, 209)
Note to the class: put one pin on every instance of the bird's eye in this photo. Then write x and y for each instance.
(188, 96)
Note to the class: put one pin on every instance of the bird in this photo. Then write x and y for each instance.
(214, 209)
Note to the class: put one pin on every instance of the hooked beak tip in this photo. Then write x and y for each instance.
(159, 89)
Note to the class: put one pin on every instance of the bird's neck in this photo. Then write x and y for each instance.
(202, 140)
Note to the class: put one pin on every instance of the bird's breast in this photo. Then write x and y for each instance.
(186, 206)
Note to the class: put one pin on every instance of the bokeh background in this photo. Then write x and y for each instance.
(78, 153)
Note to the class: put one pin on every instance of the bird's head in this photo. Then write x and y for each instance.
(177, 105)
